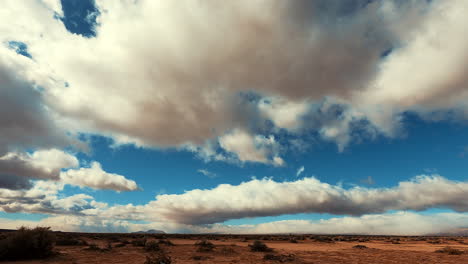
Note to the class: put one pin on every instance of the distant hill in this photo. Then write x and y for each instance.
(151, 231)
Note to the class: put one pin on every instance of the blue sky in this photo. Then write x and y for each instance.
(308, 117)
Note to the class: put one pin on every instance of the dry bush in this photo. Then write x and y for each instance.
(204, 246)
(139, 242)
(324, 239)
(27, 243)
(152, 246)
(159, 258)
(360, 247)
(259, 246)
(227, 250)
(197, 257)
(165, 242)
(279, 257)
(450, 251)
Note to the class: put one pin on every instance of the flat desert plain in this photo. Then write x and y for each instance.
(284, 249)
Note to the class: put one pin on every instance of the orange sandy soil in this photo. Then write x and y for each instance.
(306, 251)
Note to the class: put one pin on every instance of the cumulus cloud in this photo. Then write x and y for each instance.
(398, 223)
(247, 147)
(95, 177)
(25, 121)
(43, 198)
(282, 112)
(266, 197)
(16, 169)
(275, 48)
(187, 80)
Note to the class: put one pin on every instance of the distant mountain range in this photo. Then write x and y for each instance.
(151, 231)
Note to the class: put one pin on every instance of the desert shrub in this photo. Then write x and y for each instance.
(360, 247)
(152, 246)
(160, 258)
(259, 246)
(93, 247)
(36, 243)
(293, 240)
(204, 246)
(226, 250)
(324, 239)
(280, 257)
(165, 242)
(450, 251)
(197, 257)
(121, 244)
(139, 242)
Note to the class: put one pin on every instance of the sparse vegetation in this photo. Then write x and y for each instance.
(27, 243)
(152, 246)
(204, 246)
(450, 251)
(158, 258)
(360, 247)
(279, 257)
(165, 242)
(197, 257)
(259, 246)
(226, 250)
(139, 242)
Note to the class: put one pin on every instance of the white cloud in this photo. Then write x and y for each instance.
(198, 74)
(300, 171)
(207, 173)
(268, 198)
(186, 79)
(247, 147)
(16, 169)
(398, 223)
(95, 177)
(283, 113)
(54, 5)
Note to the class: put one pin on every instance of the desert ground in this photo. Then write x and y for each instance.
(82, 248)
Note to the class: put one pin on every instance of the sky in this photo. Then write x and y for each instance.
(269, 116)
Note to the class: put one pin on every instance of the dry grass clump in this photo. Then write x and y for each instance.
(165, 242)
(197, 257)
(27, 243)
(152, 246)
(205, 246)
(360, 247)
(279, 257)
(94, 247)
(139, 242)
(159, 258)
(259, 246)
(227, 250)
(450, 251)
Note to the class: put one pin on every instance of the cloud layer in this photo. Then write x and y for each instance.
(201, 72)
(188, 84)
(268, 198)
